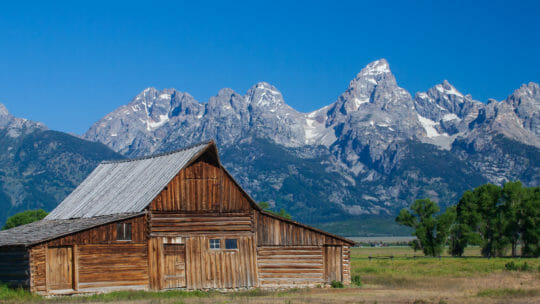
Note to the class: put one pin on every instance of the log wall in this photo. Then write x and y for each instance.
(346, 265)
(185, 224)
(112, 266)
(290, 266)
(14, 266)
(99, 262)
(38, 267)
(105, 234)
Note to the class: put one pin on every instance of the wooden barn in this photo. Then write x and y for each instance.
(175, 220)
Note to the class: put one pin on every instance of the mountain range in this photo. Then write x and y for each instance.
(371, 152)
(39, 167)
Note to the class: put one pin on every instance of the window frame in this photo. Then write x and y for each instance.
(126, 232)
(212, 244)
(235, 243)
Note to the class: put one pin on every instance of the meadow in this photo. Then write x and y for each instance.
(386, 275)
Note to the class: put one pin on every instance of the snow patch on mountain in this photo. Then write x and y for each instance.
(450, 116)
(429, 126)
(152, 125)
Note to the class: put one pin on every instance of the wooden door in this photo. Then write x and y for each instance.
(174, 275)
(333, 263)
(60, 268)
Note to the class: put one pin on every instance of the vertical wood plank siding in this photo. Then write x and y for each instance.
(333, 261)
(201, 187)
(14, 266)
(220, 268)
(274, 232)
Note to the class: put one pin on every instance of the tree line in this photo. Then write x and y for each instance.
(495, 218)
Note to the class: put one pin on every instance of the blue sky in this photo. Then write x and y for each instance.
(69, 63)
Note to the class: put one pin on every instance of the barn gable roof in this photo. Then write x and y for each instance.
(125, 186)
(45, 230)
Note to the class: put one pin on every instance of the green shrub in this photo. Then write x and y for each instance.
(336, 284)
(355, 280)
(511, 266)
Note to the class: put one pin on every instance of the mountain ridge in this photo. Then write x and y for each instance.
(38, 166)
(370, 152)
(373, 137)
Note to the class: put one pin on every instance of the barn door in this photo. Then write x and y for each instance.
(60, 268)
(174, 275)
(333, 263)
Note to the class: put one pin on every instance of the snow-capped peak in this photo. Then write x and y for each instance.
(265, 86)
(264, 94)
(446, 88)
(376, 67)
(373, 74)
(3, 110)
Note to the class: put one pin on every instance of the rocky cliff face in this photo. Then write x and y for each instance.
(372, 151)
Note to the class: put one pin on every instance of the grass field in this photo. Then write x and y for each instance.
(402, 279)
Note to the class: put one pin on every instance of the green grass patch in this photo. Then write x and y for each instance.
(19, 295)
(508, 293)
(16, 295)
(405, 265)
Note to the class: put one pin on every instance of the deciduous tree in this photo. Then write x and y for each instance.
(430, 229)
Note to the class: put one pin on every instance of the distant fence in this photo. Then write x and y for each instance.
(414, 257)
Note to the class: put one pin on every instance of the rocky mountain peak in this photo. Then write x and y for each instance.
(17, 126)
(3, 110)
(226, 92)
(372, 75)
(531, 89)
(376, 67)
(5, 117)
(264, 94)
(445, 88)
(525, 103)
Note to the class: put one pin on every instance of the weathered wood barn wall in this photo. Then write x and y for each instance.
(197, 229)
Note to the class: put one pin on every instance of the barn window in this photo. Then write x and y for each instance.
(231, 244)
(123, 232)
(214, 244)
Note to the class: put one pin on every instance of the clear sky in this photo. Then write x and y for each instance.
(67, 64)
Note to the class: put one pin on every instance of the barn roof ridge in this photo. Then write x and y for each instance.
(113, 161)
